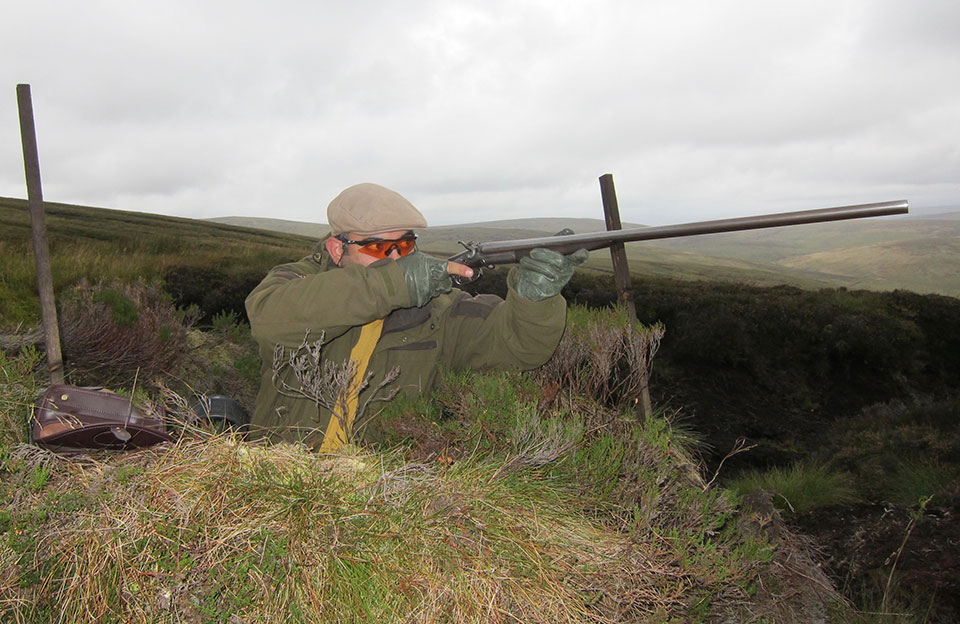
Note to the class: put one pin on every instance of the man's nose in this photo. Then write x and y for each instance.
(393, 252)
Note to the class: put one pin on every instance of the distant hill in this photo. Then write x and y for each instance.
(921, 254)
(313, 230)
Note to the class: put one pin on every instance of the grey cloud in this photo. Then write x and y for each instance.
(487, 108)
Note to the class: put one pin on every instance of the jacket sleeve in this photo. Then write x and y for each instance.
(294, 298)
(488, 332)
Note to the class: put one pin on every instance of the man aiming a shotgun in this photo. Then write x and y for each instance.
(382, 304)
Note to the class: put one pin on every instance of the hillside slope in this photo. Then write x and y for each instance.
(92, 244)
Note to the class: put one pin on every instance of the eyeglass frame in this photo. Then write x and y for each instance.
(369, 241)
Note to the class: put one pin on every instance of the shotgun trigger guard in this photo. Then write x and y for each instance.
(459, 280)
(471, 251)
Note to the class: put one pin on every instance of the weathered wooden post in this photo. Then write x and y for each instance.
(38, 225)
(621, 271)
(621, 276)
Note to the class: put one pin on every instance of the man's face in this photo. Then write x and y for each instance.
(344, 253)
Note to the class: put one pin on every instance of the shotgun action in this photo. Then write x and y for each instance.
(487, 255)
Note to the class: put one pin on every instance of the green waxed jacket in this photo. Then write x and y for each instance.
(455, 330)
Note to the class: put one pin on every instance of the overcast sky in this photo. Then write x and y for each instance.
(489, 109)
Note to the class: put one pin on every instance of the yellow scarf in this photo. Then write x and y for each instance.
(336, 434)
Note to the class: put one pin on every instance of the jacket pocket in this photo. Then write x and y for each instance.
(418, 363)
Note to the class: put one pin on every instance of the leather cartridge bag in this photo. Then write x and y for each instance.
(73, 417)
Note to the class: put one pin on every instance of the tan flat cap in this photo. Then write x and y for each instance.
(367, 209)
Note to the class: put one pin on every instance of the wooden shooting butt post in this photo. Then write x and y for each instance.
(38, 226)
(621, 272)
(621, 277)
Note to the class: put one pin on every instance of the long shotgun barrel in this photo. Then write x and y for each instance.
(480, 255)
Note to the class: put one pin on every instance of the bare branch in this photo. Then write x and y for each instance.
(328, 384)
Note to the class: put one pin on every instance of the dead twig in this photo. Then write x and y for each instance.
(740, 446)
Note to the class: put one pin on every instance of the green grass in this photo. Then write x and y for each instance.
(915, 479)
(21, 382)
(798, 488)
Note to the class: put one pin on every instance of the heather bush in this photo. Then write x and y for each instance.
(900, 451)
(119, 330)
(217, 293)
(603, 355)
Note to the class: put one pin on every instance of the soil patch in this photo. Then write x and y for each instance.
(860, 543)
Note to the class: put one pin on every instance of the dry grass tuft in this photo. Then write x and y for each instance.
(217, 529)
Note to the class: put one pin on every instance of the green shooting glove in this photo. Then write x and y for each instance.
(544, 273)
(426, 277)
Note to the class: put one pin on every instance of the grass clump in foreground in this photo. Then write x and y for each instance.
(209, 530)
(214, 529)
(492, 502)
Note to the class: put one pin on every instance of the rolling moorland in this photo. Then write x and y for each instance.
(826, 389)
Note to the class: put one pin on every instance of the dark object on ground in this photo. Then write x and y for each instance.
(222, 412)
(72, 417)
